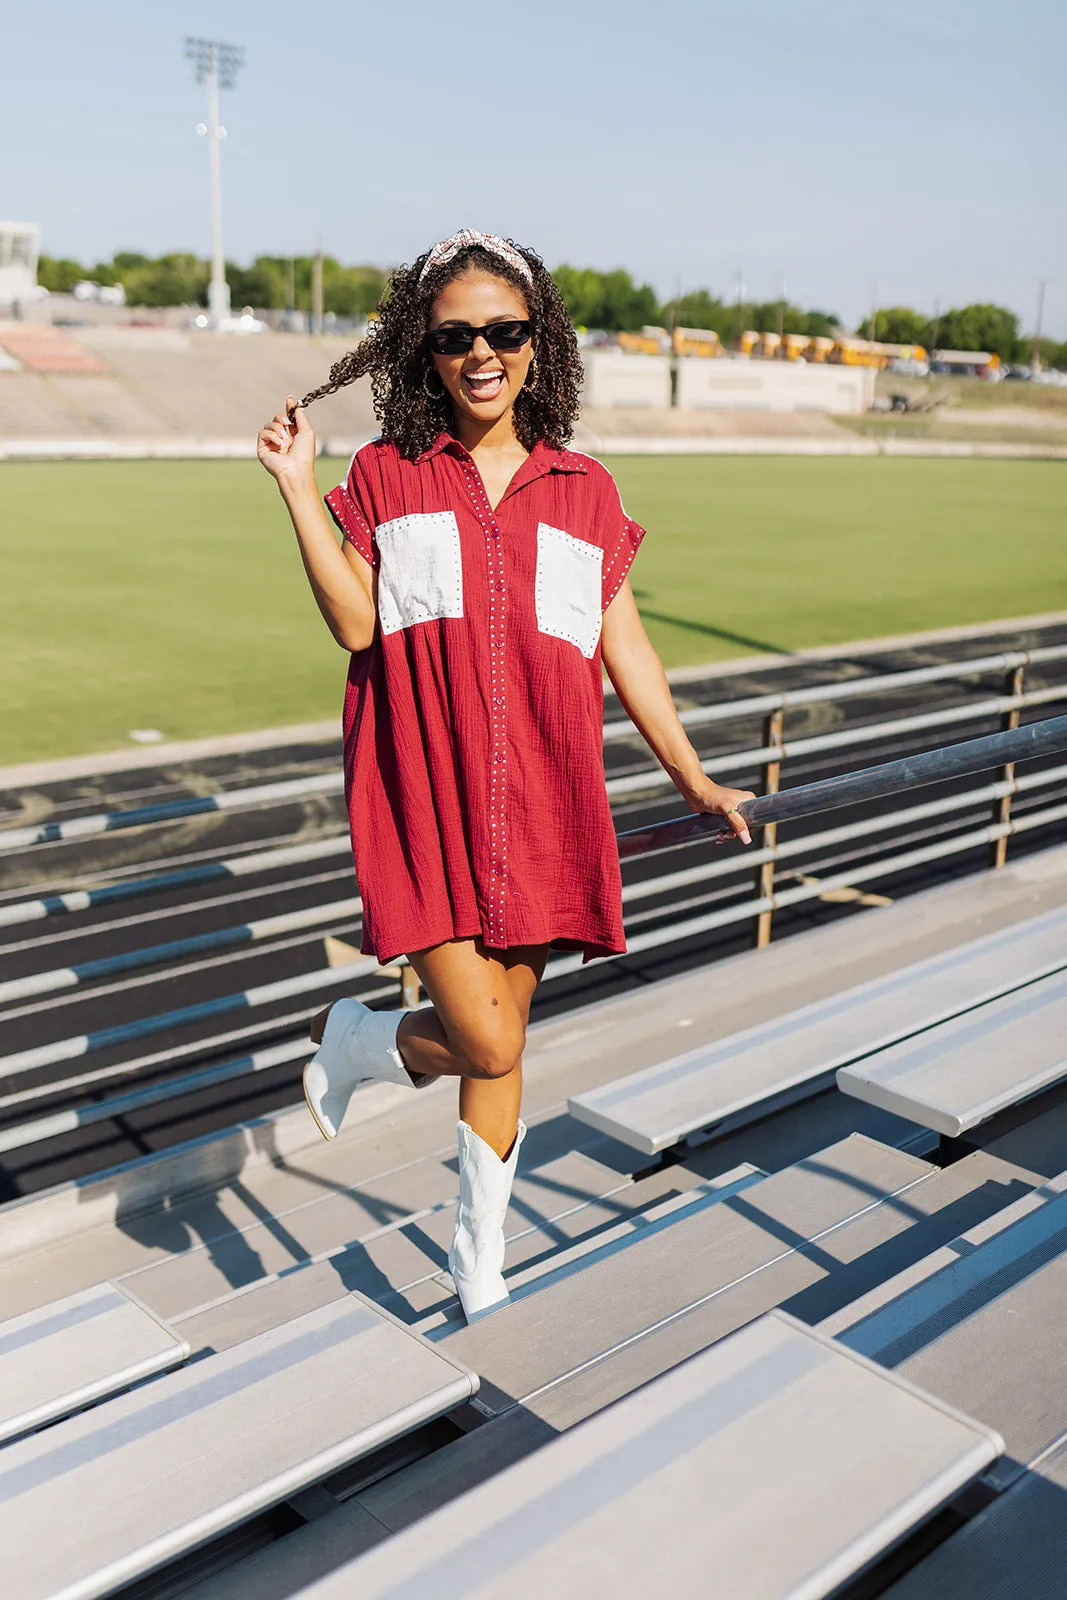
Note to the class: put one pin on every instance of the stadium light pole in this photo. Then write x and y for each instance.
(217, 65)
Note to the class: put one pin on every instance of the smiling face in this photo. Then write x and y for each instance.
(484, 383)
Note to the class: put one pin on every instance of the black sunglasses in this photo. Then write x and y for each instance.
(458, 340)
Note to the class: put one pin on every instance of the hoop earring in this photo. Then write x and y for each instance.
(432, 394)
(531, 378)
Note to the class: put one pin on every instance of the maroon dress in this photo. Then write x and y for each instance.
(473, 723)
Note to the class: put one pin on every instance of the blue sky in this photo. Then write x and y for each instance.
(844, 145)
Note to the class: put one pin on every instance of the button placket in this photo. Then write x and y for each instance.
(497, 589)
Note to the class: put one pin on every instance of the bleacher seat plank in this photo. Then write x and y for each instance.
(980, 1321)
(105, 1497)
(714, 1481)
(71, 1352)
(694, 1255)
(963, 1072)
(1016, 1549)
(659, 1106)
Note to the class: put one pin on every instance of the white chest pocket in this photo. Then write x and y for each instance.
(568, 588)
(420, 571)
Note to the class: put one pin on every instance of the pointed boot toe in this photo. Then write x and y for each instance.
(358, 1046)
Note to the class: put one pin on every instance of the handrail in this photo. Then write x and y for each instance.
(853, 688)
(870, 783)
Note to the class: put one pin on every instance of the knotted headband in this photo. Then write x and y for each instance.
(465, 239)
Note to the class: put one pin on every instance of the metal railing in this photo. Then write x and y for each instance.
(1002, 750)
(775, 750)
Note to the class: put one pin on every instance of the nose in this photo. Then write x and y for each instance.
(481, 349)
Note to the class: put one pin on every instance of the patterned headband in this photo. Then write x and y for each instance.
(466, 239)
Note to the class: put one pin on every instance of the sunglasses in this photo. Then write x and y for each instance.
(459, 340)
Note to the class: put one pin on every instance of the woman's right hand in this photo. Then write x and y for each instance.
(287, 449)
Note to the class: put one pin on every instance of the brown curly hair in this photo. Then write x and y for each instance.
(410, 411)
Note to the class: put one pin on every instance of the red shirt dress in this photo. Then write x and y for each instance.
(473, 724)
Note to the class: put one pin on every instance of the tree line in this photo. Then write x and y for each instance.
(271, 283)
(612, 300)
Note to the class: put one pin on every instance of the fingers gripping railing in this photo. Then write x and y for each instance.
(870, 783)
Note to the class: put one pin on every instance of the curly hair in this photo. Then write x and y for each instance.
(409, 410)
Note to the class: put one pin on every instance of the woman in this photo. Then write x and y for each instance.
(480, 582)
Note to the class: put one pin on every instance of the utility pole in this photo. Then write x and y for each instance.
(316, 290)
(1035, 348)
(739, 279)
(217, 65)
(781, 314)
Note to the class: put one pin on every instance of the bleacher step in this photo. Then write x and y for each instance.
(642, 1223)
(1016, 1549)
(579, 1319)
(980, 1322)
(714, 1481)
(75, 1351)
(401, 1267)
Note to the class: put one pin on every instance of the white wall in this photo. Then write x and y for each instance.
(614, 378)
(19, 243)
(773, 386)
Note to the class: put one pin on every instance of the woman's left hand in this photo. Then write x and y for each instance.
(722, 802)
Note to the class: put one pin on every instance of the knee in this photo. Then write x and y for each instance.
(495, 1055)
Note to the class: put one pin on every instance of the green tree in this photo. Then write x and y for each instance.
(351, 291)
(610, 300)
(699, 309)
(59, 275)
(976, 327)
(273, 283)
(178, 279)
(896, 325)
(821, 324)
(262, 285)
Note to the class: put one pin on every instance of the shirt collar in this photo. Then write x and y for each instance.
(541, 460)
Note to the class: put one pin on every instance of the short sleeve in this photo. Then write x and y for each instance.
(346, 505)
(621, 543)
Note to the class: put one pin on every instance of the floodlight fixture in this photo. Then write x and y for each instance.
(216, 64)
(211, 55)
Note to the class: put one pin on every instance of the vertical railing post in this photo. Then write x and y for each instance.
(772, 739)
(1013, 687)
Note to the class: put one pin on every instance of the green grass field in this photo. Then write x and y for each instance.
(170, 595)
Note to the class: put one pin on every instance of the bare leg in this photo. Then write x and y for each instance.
(476, 1030)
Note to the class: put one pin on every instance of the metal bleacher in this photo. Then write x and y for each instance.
(158, 1471)
(681, 1467)
(654, 1109)
(767, 1340)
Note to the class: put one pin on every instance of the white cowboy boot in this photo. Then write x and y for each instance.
(476, 1258)
(358, 1046)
